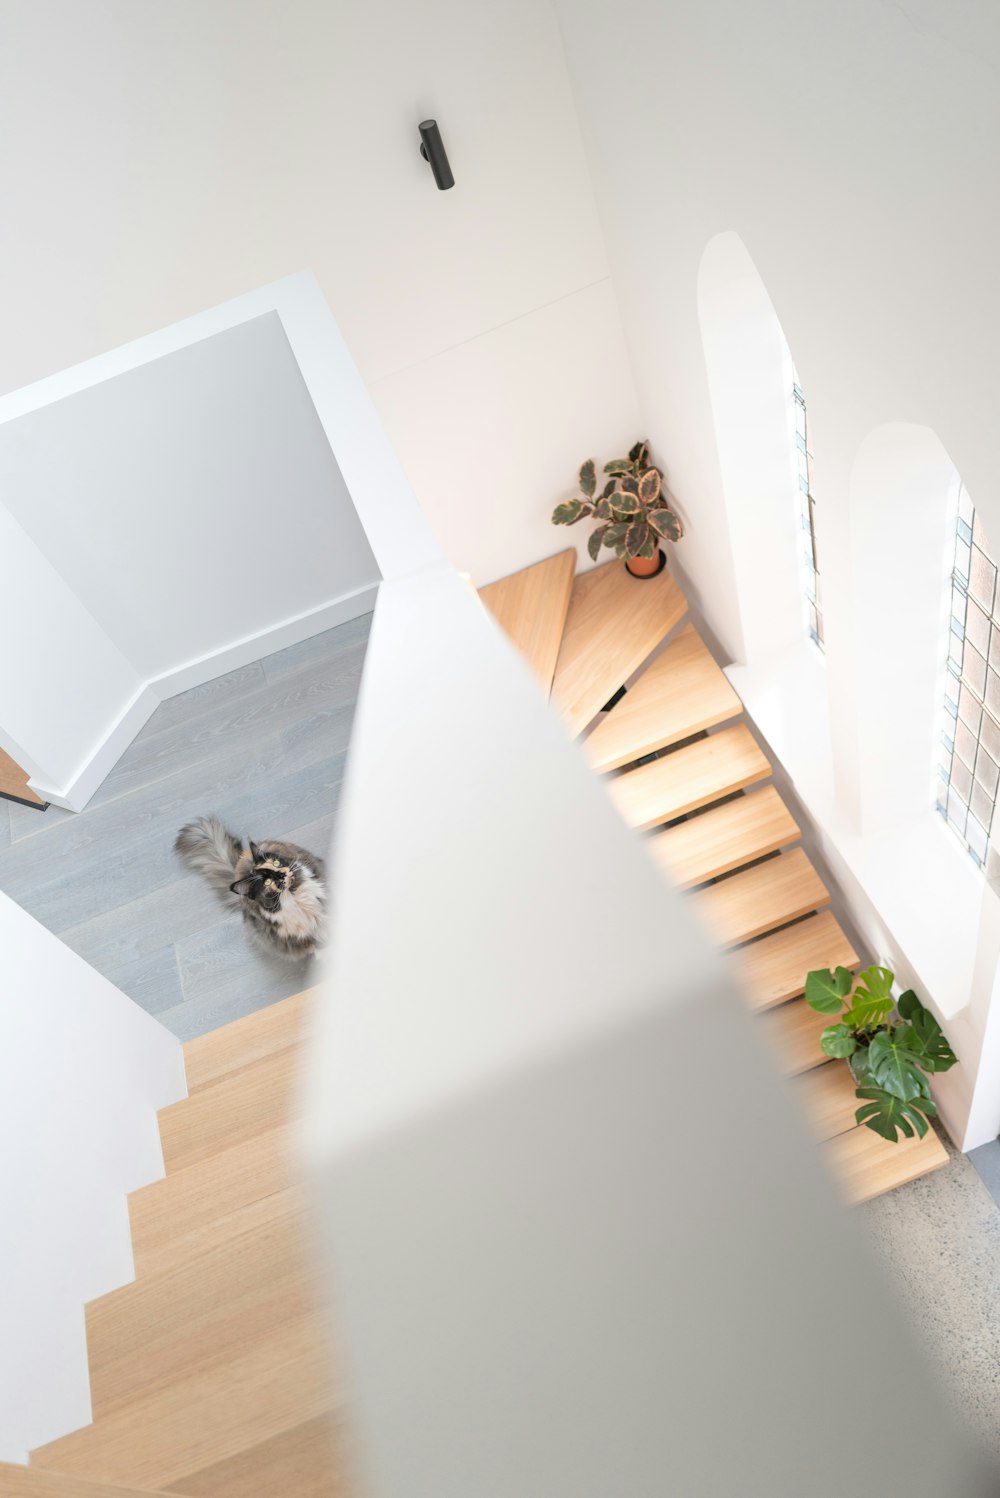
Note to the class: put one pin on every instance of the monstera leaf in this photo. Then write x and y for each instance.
(826, 991)
(872, 1002)
(895, 1068)
(838, 1041)
(571, 511)
(890, 1116)
(588, 478)
(922, 1036)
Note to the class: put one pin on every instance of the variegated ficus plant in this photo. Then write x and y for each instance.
(633, 512)
(889, 1053)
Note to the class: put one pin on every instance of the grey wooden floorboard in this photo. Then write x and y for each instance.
(262, 747)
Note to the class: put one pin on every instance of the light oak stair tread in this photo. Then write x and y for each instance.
(758, 899)
(14, 782)
(679, 693)
(868, 1165)
(531, 606)
(774, 969)
(793, 1030)
(250, 1101)
(270, 1384)
(157, 1332)
(213, 1056)
(614, 623)
(304, 1462)
(196, 1208)
(725, 837)
(687, 778)
(830, 1100)
(31, 1482)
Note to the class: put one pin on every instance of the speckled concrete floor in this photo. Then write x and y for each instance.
(940, 1239)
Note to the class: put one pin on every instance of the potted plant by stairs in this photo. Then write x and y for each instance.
(890, 1045)
(633, 513)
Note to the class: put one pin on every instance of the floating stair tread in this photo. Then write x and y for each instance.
(250, 1101)
(269, 1385)
(774, 969)
(868, 1165)
(193, 1209)
(31, 1482)
(531, 606)
(680, 693)
(829, 1096)
(793, 1030)
(304, 1462)
(755, 900)
(725, 837)
(213, 1056)
(688, 778)
(162, 1329)
(615, 622)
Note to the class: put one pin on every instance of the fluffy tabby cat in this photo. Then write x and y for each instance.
(281, 888)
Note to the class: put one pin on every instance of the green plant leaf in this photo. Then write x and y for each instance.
(639, 540)
(837, 1040)
(635, 452)
(628, 485)
(625, 505)
(908, 1004)
(609, 488)
(826, 991)
(596, 540)
(666, 524)
(617, 465)
(614, 535)
(872, 1001)
(588, 477)
(923, 1037)
(889, 1115)
(858, 1062)
(603, 509)
(649, 486)
(896, 1069)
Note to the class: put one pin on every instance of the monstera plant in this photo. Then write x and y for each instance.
(890, 1045)
(634, 515)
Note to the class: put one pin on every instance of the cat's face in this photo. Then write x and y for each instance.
(267, 882)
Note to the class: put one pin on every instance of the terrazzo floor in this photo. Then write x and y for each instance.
(939, 1239)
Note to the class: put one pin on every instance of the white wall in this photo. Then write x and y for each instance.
(186, 515)
(846, 147)
(192, 153)
(82, 1072)
(190, 502)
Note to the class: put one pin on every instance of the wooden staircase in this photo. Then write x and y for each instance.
(210, 1374)
(682, 767)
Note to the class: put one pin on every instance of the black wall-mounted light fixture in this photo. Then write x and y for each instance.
(432, 150)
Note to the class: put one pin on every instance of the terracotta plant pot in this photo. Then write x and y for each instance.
(646, 566)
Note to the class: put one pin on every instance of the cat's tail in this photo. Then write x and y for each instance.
(211, 849)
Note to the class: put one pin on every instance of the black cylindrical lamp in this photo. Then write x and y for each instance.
(432, 150)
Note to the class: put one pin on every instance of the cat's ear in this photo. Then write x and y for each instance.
(255, 852)
(243, 886)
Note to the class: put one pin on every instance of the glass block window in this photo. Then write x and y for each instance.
(807, 520)
(969, 753)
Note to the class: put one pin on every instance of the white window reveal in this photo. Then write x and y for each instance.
(811, 583)
(969, 755)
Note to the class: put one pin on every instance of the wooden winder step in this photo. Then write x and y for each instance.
(774, 969)
(757, 899)
(250, 1101)
(867, 1165)
(530, 607)
(615, 622)
(829, 1097)
(793, 1031)
(30, 1482)
(680, 693)
(687, 778)
(219, 1053)
(725, 837)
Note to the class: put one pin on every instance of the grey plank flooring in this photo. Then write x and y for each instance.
(262, 747)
